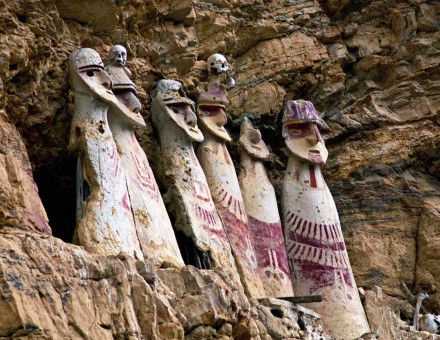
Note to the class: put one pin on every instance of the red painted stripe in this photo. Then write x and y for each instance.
(308, 253)
(312, 176)
(310, 230)
(337, 246)
(315, 228)
(304, 225)
(226, 154)
(303, 251)
(229, 201)
(326, 231)
(298, 224)
(294, 221)
(300, 246)
(335, 231)
(338, 232)
(332, 232)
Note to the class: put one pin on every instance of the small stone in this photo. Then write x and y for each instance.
(226, 329)
(350, 30)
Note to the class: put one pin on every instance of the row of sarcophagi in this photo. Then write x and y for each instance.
(220, 220)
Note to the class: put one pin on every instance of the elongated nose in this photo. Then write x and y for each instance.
(133, 103)
(221, 118)
(190, 117)
(312, 139)
(106, 81)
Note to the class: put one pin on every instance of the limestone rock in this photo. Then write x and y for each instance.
(86, 296)
(379, 93)
(383, 314)
(20, 204)
(428, 259)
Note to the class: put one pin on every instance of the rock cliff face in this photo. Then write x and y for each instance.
(372, 67)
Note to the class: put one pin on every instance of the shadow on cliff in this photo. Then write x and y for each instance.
(56, 185)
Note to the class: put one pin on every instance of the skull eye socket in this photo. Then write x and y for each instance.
(212, 63)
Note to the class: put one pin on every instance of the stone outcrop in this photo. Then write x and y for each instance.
(88, 296)
(20, 204)
(371, 67)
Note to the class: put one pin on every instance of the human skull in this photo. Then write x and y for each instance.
(217, 64)
(118, 55)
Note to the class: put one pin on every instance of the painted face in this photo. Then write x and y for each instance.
(305, 141)
(250, 140)
(118, 55)
(213, 118)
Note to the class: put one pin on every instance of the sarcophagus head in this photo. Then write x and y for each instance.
(87, 75)
(170, 105)
(301, 131)
(251, 141)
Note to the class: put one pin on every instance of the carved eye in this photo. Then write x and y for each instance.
(295, 132)
(90, 73)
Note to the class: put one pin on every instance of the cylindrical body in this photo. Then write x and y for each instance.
(194, 209)
(225, 189)
(316, 250)
(154, 230)
(105, 222)
(265, 227)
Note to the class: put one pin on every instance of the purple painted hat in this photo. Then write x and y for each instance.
(302, 111)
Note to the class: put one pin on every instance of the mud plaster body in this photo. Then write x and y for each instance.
(263, 216)
(105, 224)
(154, 229)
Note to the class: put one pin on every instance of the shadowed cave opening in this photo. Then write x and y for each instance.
(56, 186)
(191, 254)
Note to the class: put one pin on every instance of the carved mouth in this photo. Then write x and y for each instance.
(315, 152)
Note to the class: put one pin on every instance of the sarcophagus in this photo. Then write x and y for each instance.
(203, 241)
(153, 226)
(221, 175)
(264, 220)
(314, 240)
(105, 223)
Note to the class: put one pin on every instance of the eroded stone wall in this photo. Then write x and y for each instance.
(372, 68)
